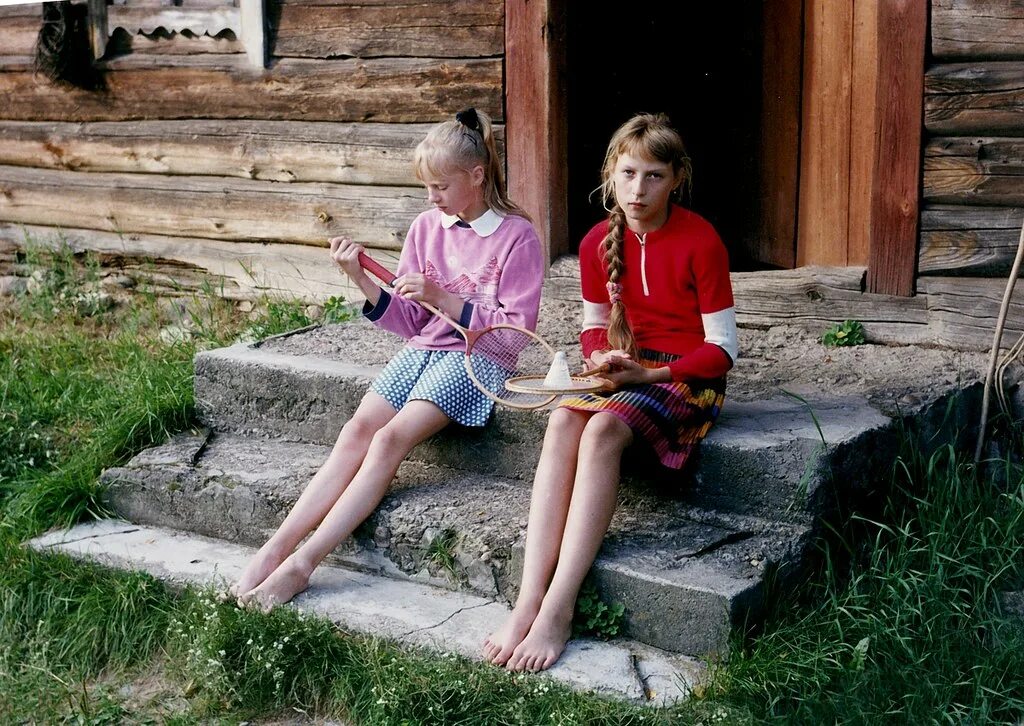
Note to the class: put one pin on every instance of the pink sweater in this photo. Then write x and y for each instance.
(499, 275)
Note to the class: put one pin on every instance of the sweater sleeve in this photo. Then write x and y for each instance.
(710, 267)
(593, 280)
(394, 313)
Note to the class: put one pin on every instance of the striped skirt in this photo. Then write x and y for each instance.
(672, 417)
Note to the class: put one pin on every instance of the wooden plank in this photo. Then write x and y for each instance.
(774, 243)
(284, 151)
(975, 98)
(979, 241)
(962, 311)
(161, 43)
(902, 29)
(825, 134)
(31, 10)
(18, 34)
(394, 90)
(863, 120)
(148, 20)
(535, 127)
(227, 209)
(253, 33)
(974, 170)
(977, 29)
(249, 269)
(402, 29)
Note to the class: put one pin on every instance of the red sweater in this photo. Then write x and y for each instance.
(672, 285)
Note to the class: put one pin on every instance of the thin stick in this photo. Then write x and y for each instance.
(996, 338)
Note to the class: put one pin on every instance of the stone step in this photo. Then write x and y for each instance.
(769, 458)
(686, 576)
(410, 613)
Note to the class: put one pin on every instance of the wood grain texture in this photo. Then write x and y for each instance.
(975, 98)
(399, 29)
(284, 151)
(975, 241)
(977, 29)
(962, 311)
(393, 90)
(974, 170)
(226, 209)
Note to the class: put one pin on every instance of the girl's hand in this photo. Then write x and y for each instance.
(626, 371)
(416, 286)
(345, 254)
(600, 357)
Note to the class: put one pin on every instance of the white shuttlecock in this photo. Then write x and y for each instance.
(558, 375)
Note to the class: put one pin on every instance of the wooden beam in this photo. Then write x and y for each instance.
(973, 241)
(975, 98)
(902, 29)
(863, 137)
(535, 116)
(977, 29)
(974, 170)
(825, 134)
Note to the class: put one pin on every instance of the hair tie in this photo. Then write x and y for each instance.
(614, 292)
(469, 119)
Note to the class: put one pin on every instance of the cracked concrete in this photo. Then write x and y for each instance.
(406, 612)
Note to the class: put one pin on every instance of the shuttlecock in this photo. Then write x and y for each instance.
(558, 375)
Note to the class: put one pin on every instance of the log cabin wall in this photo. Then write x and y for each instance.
(194, 159)
(973, 168)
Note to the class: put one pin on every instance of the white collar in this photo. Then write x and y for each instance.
(484, 225)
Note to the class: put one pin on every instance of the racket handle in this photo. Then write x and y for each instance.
(378, 270)
(603, 368)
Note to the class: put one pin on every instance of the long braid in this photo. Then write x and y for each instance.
(620, 335)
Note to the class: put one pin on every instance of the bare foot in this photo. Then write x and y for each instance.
(268, 559)
(498, 646)
(543, 645)
(284, 583)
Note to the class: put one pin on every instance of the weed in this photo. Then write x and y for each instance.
(441, 551)
(848, 332)
(337, 310)
(594, 616)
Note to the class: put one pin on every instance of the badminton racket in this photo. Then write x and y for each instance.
(497, 354)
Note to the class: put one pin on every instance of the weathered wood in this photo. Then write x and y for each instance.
(18, 34)
(399, 28)
(977, 29)
(253, 32)
(398, 90)
(228, 209)
(213, 20)
(162, 43)
(285, 151)
(96, 18)
(975, 98)
(825, 134)
(774, 242)
(32, 10)
(254, 269)
(536, 127)
(974, 170)
(980, 241)
(864, 117)
(962, 311)
(902, 30)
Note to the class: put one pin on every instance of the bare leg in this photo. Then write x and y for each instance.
(549, 506)
(590, 512)
(322, 491)
(415, 422)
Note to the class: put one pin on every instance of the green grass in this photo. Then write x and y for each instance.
(901, 625)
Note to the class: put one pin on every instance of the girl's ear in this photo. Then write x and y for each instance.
(476, 175)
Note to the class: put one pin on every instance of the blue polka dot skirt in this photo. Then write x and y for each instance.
(438, 376)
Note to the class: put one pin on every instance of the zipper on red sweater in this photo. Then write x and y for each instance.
(643, 262)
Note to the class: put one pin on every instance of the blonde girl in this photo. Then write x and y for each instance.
(476, 256)
(657, 307)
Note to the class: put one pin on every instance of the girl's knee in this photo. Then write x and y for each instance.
(358, 430)
(606, 430)
(391, 439)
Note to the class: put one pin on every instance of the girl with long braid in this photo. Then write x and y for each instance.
(658, 308)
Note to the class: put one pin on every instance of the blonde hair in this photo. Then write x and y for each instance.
(461, 144)
(649, 136)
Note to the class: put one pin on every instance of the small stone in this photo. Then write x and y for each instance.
(11, 285)
(245, 306)
(125, 282)
(314, 312)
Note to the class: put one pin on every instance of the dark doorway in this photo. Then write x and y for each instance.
(701, 63)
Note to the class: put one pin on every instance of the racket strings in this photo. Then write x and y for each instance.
(499, 354)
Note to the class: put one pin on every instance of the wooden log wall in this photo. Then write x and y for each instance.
(195, 158)
(973, 179)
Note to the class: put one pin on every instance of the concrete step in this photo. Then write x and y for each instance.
(410, 613)
(769, 458)
(686, 576)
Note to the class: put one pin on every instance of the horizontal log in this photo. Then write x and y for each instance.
(962, 311)
(227, 209)
(392, 90)
(974, 170)
(403, 29)
(979, 241)
(31, 10)
(18, 34)
(284, 151)
(977, 29)
(975, 98)
(254, 269)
